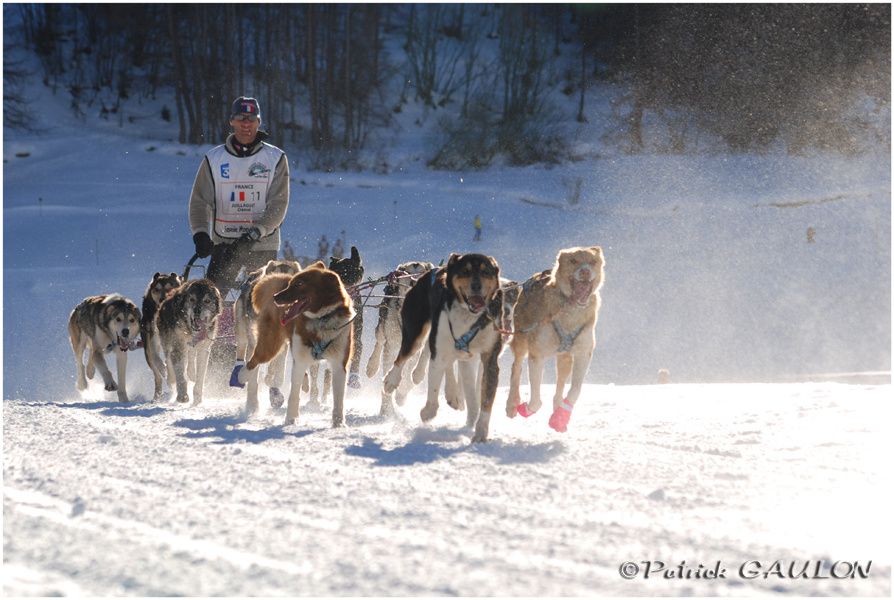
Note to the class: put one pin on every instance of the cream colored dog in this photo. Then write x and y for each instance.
(555, 315)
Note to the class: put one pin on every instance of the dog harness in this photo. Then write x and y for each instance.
(319, 347)
(462, 344)
(566, 340)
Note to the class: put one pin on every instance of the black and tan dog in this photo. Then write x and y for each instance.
(458, 307)
(187, 319)
(159, 288)
(244, 319)
(312, 312)
(350, 270)
(100, 324)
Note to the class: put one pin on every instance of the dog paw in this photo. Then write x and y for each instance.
(456, 401)
(338, 422)
(289, 421)
(428, 412)
(276, 398)
(112, 387)
(391, 382)
(123, 398)
(525, 410)
(354, 381)
(480, 437)
(81, 384)
(184, 398)
(418, 376)
(371, 370)
(559, 419)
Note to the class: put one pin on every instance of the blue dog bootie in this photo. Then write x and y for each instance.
(234, 376)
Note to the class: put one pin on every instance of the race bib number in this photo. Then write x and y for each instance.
(241, 204)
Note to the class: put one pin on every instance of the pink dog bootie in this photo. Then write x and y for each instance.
(524, 411)
(560, 417)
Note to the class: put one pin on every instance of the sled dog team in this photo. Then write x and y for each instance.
(444, 321)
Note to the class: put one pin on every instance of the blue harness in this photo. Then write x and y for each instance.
(462, 344)
(318, 348)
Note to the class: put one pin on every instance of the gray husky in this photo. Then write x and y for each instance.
(101, 324)
(188, 318)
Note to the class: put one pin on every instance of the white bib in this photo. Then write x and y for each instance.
(240, 188)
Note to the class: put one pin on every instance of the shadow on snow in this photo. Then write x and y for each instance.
(430, 445)
(223, 429)
(116, 409)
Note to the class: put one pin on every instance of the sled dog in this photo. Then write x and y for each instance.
(159, 288)
(555, 315)
(244, 320)
(312, 311)
(186, 319)
(388, 332)
(458, 308)
(100, 324)
(350, 271)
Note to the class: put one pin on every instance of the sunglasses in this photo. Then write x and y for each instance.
(251, 118)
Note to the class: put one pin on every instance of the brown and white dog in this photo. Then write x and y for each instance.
(244, 319)
(458, 309)
(100, 324)
(350, 270)
(555, 315)
(313, 311)
(159, 288)
(187, 319)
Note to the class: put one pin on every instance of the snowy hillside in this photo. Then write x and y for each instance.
(709, 273)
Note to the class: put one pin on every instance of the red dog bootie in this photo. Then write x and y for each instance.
(524, 411)
(560, 417)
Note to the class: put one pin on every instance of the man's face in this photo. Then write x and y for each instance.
(245, 127)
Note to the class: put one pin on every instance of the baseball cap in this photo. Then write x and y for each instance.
(245, 106)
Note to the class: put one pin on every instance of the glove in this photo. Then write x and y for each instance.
(253, 234)
(203, 243)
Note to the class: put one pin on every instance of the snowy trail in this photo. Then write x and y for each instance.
(101, 498)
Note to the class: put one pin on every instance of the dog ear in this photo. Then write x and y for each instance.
(496, 266)
(156, 276)
(355, 254)
(453, 258)
(317, 265)
(597, 250)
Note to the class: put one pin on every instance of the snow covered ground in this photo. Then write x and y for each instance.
(145, 499)
(709, 273)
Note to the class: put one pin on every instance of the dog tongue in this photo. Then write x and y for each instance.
(476, 303)
(293, 311)
(580, 290)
